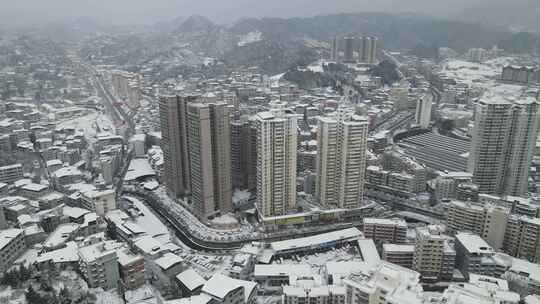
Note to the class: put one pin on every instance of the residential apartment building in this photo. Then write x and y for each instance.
(311, 290)
(445, 184)
(100, 202)
(11, 173)
(474, 255)
(522, 238)
(276, 161)
(385, 230)
(399, 254)
(434, 255)
(367, 49)
(385, 283)
(174, 144)
(12, 245)
(487, 220)
(341, 160)
(131, 269)
(210, 158)
(422, 115)
(243, 154)
(503, 143)
(98, 264)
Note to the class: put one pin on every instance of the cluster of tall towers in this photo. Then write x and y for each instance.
(197, 154)
(503, 143)
(352, 49)
(198, 139)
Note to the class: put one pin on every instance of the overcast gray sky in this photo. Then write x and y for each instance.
(20, 12)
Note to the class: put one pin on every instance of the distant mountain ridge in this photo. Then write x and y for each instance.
(515, 15)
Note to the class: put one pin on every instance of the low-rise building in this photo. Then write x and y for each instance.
(399, 254)
(385, 230)
(34, 191)
(474, 255)
(311, 290)
(272, 277)
(131, 268)
(11, 173)
(190, 282)
(385, 283)
(98, 264)
(227, 290)
(100, 202)
(242, 266)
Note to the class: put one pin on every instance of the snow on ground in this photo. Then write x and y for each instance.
(274, 80)
(470, 72)
(198, 228)
(317, 260)
(28, 257)
(250, 38)
(484, 76)
(107, 297)
(207, 265)
(209, 60)
(268, 299)
(240, 196)
(71, 280)
(316, 67)
(8, 295)
(89, 125)
(225, 219)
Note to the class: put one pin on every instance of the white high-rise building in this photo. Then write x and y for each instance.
(276, 161)
(341, 161)
(423, 110)
(503, 142)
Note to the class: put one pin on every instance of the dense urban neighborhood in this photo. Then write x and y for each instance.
(267, 162)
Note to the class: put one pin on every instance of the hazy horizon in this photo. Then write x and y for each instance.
(125, 12)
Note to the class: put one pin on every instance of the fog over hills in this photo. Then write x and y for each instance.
(514, 13)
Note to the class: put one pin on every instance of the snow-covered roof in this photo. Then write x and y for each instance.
(385, 221)
(168, 260)
(74, 212)
(139, 167)
(198, 299)
(67, 171)
(93, 194)
(63, 255)
(525, 268)
(346, 267)
(532, 299)
(93, 252)
(148, 245)
(403, 248)
(7, 235)
(220, 285)
(54, 162)
(279, 270)
(14, 166)
(60, 235)
(315, 240)
(191, 279)
(473, 243)
(369, 251)
(52, 196)
(34, 187)
(126, 257)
